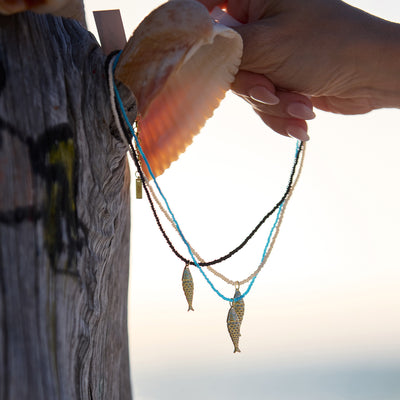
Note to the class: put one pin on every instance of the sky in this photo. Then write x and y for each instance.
(322, 320)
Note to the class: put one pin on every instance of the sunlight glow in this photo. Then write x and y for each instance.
(329, 295)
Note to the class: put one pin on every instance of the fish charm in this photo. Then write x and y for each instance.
(187, 284)
(234, 328)
(239, 306)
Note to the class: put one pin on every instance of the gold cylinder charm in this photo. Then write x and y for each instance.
(139, 192)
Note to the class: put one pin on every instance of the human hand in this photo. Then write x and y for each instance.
(339, 55)
(284, 112)
(289, 110)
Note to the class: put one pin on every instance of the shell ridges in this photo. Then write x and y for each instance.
(179, 75)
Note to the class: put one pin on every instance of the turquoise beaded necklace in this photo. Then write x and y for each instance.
(237, 305)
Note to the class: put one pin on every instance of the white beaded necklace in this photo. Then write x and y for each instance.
(236, 311)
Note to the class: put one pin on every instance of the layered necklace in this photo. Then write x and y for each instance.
(158, 201)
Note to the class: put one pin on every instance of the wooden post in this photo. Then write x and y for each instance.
(64, 217)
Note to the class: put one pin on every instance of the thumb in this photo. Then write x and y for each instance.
(260, 47)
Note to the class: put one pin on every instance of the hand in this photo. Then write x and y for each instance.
(343, 57)
(282, 111)
(290, 111)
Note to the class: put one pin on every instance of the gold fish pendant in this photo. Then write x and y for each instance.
(238, 305)
(233, 324)
(188, 287)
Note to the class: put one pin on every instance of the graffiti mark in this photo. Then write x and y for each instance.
(19, 214)
(53, 159)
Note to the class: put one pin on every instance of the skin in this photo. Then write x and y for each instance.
(344, 59)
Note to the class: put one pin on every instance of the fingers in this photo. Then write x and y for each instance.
(284, 112)
(295, 128)
(263, 95)
(350, 106)
(256, 87)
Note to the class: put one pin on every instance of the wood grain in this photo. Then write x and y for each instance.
(64, 217)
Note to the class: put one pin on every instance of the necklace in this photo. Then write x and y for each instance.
(277, 206)
(271, 238)
(153, 197)
(236, 311)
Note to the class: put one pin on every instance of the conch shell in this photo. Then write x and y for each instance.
(178, 63)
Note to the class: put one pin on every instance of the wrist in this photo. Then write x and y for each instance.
(377, 58)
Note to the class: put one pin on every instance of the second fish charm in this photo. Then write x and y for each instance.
(187, 284)
(234, 328)
(239, 306)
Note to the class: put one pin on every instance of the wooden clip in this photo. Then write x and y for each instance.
(110, 29)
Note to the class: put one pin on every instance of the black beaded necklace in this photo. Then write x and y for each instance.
(236, 311)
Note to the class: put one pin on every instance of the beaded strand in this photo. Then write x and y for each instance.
(265, 256)
(127, 140)
(143, 178)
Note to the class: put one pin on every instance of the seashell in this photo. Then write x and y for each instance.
(179, 63)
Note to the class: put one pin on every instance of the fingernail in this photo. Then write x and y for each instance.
(297, 132)
(300, 110)
(263, 95)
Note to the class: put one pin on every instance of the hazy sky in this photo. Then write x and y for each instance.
(329, 293)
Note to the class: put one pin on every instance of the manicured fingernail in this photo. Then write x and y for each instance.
(297, 132)
(300, 110)
(263, 95)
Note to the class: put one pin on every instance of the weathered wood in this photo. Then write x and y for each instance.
(64, 217)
